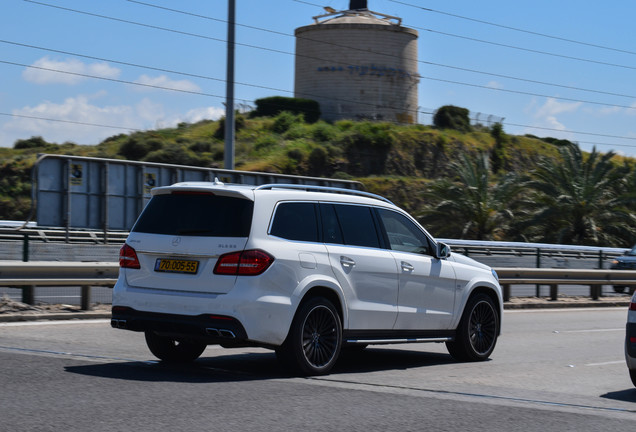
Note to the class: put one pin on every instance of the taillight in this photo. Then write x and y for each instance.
(632, 306)
(246, 263)
(128, 257)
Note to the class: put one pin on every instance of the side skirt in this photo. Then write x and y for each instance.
(379, 337)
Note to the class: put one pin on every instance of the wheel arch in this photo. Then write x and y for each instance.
(493, 296)
(328, 293)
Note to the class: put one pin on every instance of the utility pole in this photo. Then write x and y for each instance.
(229, 88)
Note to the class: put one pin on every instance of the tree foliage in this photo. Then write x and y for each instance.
(452, 117)
(272, 106)
(471, 205)
(580, 199)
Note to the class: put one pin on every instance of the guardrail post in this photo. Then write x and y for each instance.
(28, 294)
(554, 292)
(595, 291)
(86, 297)
(600, 259)
(538, 293)
(506, 292)
(25, 248)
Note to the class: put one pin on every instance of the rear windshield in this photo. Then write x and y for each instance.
(196, 215)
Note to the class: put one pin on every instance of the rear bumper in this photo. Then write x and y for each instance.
(208, 328)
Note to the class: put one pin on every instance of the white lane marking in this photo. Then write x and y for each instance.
(70, 354)
(589, 330)
(65, 322)
(569, 309)
(606, 363)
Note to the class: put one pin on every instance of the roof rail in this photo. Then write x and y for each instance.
(314, 188)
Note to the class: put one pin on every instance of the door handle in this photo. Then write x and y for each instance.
(347, 262)
(407, 267)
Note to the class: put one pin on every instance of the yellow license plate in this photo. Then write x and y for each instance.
(176, 266)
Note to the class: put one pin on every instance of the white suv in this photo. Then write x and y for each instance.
(304, 270)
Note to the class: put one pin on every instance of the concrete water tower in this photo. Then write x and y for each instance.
(358, 64)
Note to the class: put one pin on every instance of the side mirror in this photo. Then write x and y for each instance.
(443, 251)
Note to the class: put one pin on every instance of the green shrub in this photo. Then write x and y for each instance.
(272, 106)
(318, 162)
(134, 149)
(239, 123)
(323, 132)
(200, 147)
(452, 117)
(174, 154)
(33, 142)
(285, 120)
(265, 142)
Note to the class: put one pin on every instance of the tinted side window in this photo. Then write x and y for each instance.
(358, 228)
(295, 221)
(331, 232)
(403, 234)
(194, 214)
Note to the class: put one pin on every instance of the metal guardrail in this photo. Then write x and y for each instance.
(555, 277)
(60, 235)
(538, 250)
(28, 275)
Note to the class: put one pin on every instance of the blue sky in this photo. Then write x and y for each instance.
(562, 68)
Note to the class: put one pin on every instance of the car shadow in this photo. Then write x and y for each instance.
(628, 395)
(256, 366)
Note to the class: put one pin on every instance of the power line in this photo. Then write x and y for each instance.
(515, 28)
(110, 79)
(264, 87)
(419, 61)
(252, 46)
(70, 121)
(532, 50)
(527, 93)
(354, 48)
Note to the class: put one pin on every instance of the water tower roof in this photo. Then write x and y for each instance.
(357, 16)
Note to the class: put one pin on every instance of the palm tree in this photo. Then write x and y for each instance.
(472, 205)
(579, 200)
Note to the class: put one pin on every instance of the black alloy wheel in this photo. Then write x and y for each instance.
(314, 341)
(477, 332)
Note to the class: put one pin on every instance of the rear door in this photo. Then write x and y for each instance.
(367, 273)
(180, 235)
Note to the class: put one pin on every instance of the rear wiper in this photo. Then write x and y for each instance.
(194, 231)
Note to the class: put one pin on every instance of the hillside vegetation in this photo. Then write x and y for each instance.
(461, 182)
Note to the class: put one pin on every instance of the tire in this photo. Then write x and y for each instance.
(172, 350)
(313, 344)
(619, 289)
(632, 375)
(477, 332)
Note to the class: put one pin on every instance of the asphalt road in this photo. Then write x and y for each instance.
(552, 370)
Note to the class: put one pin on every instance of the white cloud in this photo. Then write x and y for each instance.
(205, 113)
(547, 118)
(612, 110)
(552, 107)
(71, 71)
(553, 123)
(494, 85)
(193, 116)
(81, 114)
(163, 82)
